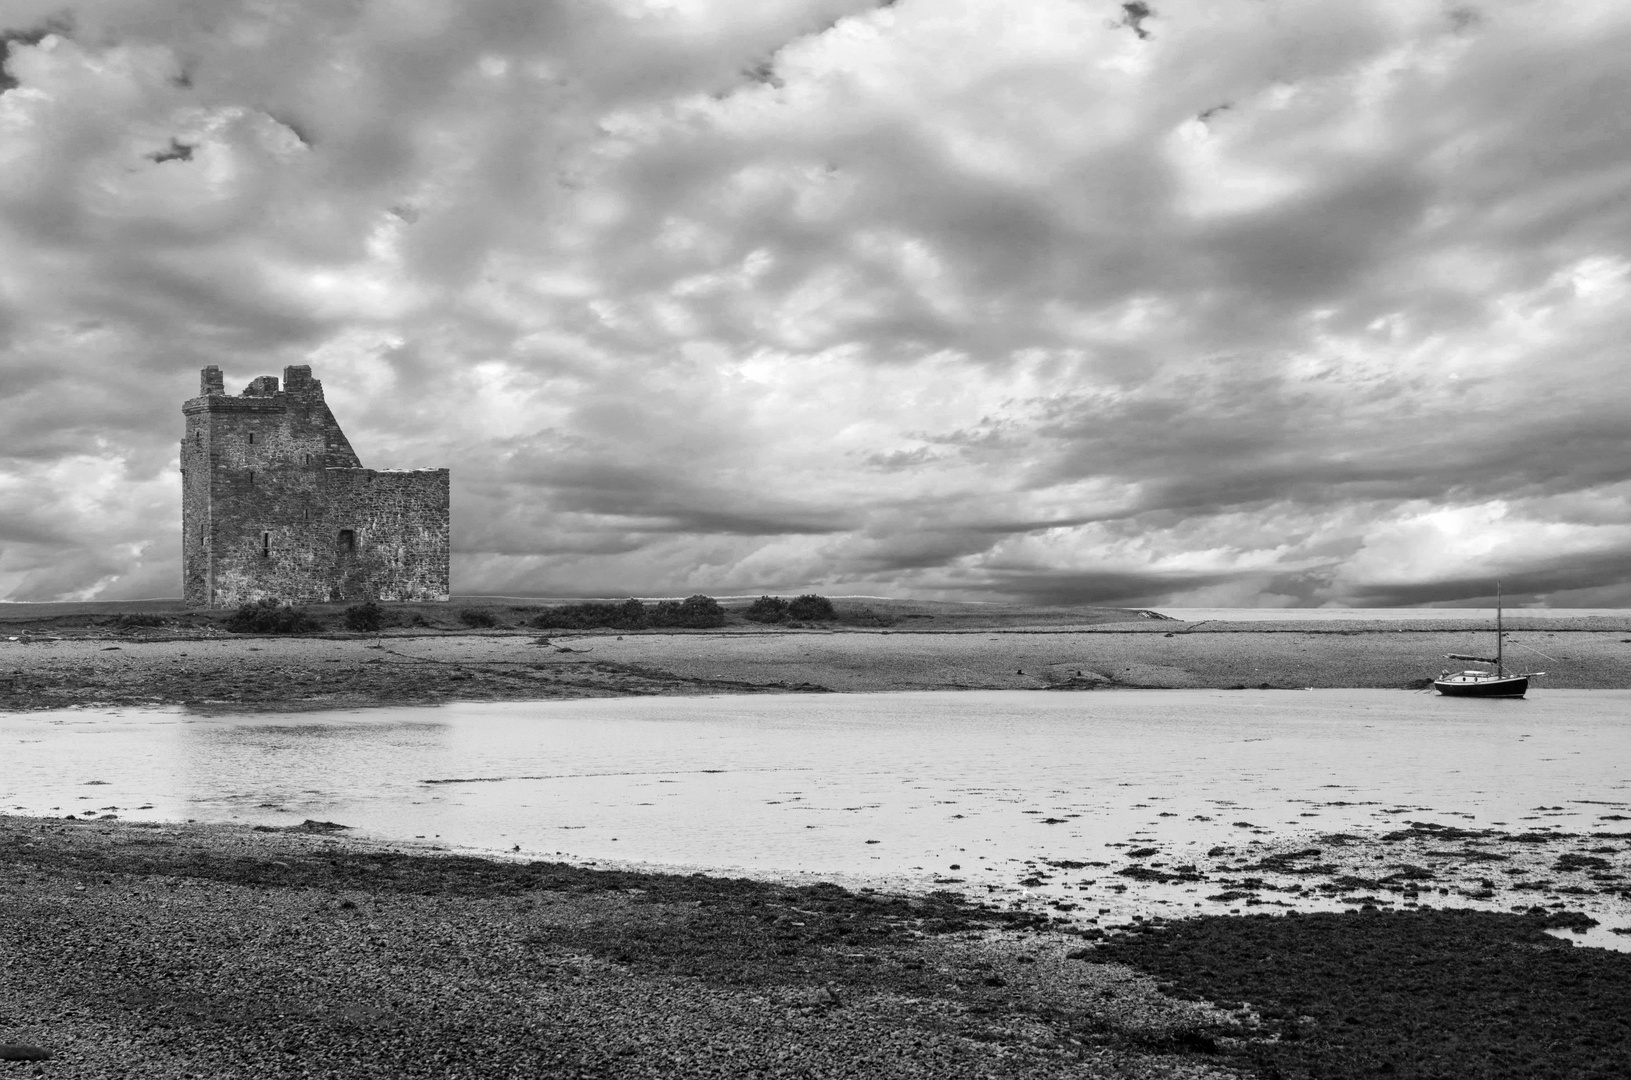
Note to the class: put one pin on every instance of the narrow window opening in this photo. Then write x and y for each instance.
(198, 438)
(266, 544)
(348, 540)
(251, 438)
(251, 476)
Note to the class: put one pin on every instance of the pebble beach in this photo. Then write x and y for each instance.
(198, 951)
(207, 951)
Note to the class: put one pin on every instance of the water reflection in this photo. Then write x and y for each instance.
(249, 769)
(984, 790)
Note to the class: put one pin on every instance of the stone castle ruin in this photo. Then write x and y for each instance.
(276, 504)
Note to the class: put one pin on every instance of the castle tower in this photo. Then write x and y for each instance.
(275, 504)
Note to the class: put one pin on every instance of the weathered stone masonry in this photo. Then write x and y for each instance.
(276, 504)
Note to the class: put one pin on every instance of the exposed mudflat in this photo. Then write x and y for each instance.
(1426, 994)
(207, 668)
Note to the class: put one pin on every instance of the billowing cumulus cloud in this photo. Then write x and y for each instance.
(1196, 302)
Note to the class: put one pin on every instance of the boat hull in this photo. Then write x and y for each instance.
(1494, 686)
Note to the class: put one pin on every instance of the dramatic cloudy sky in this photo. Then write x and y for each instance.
(1210, 302)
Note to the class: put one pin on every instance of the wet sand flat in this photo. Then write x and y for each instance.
(222, 671)
(1142, 655)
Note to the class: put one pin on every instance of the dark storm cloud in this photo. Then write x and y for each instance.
(1238, 441)
(1200, 303)
(1585, 571)
(1101, 589)
(669, 501)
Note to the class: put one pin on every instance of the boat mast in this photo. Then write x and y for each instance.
(1500, 669)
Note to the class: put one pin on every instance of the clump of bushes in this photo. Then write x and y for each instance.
(766, 609)
(806, 608)
(810, 608)
(478, 618)
(365, 618)
(693, 613)
(629, 615)
(136, 618)
(270, 617)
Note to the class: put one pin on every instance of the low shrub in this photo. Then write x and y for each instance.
(629, 615)
(478, 618)
(800, 609)
(130, 619)
(270, 617)
(811, 608)
(766, 609)
(365, 618)
(694, 612)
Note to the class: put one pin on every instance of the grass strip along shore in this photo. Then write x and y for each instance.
(165, 951)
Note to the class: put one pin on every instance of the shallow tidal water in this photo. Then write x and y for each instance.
(979, 791)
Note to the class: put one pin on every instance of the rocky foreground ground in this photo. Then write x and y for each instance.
(162, 952)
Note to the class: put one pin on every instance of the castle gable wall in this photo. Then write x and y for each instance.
(391, 533)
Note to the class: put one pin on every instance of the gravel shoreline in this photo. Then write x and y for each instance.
(208, 951)
(180, 951)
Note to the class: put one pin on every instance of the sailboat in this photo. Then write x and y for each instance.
(1477, 683)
